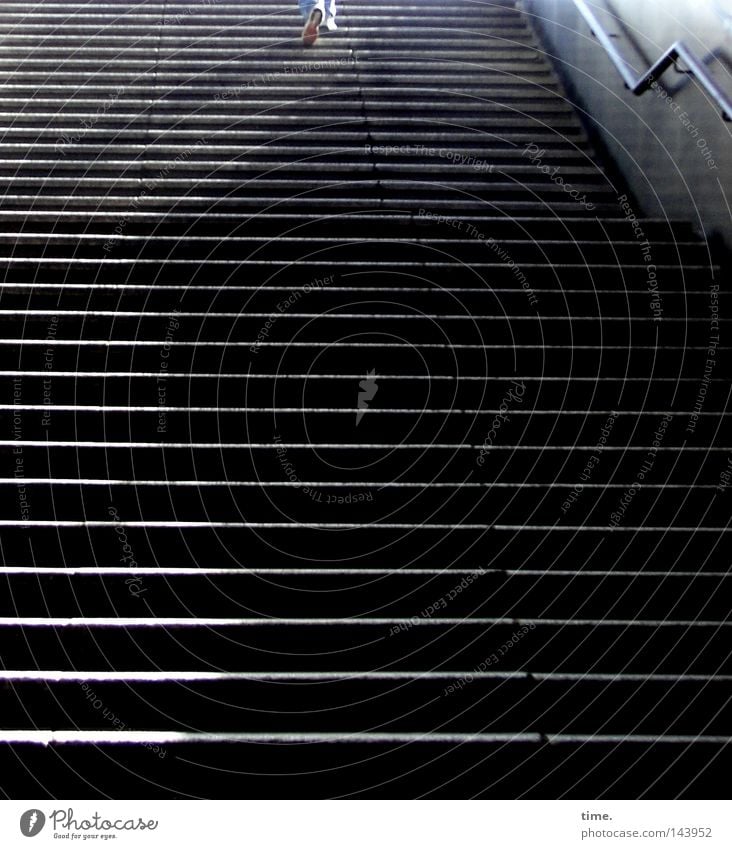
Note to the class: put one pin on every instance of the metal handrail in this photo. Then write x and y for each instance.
(678, 50)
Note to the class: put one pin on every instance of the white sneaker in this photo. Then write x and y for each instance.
(330, 24)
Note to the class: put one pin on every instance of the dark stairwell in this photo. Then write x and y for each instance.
(356, 439)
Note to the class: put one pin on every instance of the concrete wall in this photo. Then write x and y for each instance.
(705, 25)
(670, 144)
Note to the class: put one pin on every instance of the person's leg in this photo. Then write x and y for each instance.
(330, 14)
(313, 11)
(306, 6)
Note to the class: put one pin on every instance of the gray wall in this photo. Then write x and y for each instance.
(671, 145)
(705, 25)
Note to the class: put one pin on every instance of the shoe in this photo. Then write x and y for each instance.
(312, 26)
(330, 24)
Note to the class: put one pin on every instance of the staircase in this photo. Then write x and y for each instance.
(357, 439)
